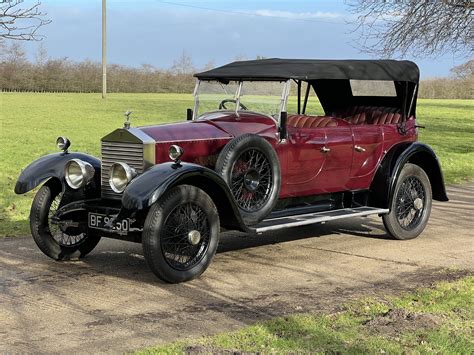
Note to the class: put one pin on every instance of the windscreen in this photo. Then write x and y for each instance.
(263, 97)
(213, 96)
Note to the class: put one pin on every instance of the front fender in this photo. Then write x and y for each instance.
(383, 185)
(147, 188)
(49, 166)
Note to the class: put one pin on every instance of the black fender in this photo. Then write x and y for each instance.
(147, 188)
(385, 179)
(52, 166)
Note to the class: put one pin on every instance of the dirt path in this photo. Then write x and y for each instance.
(110, 302)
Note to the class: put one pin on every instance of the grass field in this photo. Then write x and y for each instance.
(429, 321)
(30, 124)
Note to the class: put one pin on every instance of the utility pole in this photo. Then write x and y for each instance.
(104, 51)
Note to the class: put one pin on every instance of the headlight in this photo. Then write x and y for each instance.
(120, 175)
(78, 173)
(175, 152)
(63, 143)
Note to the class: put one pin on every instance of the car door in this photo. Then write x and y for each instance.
(337, 166)
(305, 159)
(368, 149)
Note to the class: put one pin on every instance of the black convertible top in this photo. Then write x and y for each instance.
(312, 69)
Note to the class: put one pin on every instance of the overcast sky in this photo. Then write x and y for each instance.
(156, 32)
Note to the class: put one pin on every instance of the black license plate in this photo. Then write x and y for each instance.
(100, 221)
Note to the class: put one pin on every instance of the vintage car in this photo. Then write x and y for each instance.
(253, 156)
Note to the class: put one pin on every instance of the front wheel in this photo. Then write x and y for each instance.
(181, 234)
(54, 238)
(411, 204)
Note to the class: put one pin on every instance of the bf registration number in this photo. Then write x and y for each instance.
(101, 221)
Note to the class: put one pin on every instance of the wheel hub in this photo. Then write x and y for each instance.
(252, 180)
(194, 237)
(418, 204)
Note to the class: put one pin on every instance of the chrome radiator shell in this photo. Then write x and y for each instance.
(130, 146)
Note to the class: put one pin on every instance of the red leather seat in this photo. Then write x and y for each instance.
(358, 118)
(304, 121)
(385, 118)
(369, 115)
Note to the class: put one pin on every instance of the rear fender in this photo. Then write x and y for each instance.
(147, 188)
(384, 182)
(52, 166)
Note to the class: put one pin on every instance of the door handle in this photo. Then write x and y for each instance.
(359, 148)
(325, 150)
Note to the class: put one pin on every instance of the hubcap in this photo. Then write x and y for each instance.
(418, 203)
(194, 237)
(252, 180)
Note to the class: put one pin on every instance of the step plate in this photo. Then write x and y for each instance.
(317, 217)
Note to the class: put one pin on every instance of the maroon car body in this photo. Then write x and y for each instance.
(243, 169)
(305, 170)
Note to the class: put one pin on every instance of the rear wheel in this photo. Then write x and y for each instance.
(411, 204)
(181, 234)
(56, 239)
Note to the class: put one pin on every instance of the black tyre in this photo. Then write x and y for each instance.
(251, 168)
(411, 204)
(54, 240)
(181, 234)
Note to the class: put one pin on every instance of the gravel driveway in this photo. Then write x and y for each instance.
(110, 301)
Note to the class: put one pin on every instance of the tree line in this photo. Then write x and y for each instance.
(459, 85)
(45, 74)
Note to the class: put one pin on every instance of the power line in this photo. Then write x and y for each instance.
(246, 13)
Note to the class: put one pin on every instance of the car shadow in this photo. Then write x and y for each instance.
(357, 226)
(125, 260)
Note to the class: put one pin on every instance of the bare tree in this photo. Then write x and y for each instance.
(209, 65)
(41, 55)
(464, 71)
(183, 65)
(19, 21)
(423, 27)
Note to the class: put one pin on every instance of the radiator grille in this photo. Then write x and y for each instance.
(114, 152)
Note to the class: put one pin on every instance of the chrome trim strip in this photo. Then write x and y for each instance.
(194, 140)
(284, 100)
(237, 98)
(196, 99)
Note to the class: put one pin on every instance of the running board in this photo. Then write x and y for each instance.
(317, 217)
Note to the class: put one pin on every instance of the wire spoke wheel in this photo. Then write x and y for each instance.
(251, 168)
(54, 227)
(251, 180)
(186, 236)
(59, 238)
(181, 234)
(410, 203)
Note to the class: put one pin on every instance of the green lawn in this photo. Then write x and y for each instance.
(430, 321)
(30, 124)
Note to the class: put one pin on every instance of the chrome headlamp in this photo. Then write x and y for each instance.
(120, 176)
(175, 152)
(78, 173)
(63, 143)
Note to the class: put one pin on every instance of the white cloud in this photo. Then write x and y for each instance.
(299, 15)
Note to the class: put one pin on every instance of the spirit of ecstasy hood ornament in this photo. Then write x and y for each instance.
(126, 124)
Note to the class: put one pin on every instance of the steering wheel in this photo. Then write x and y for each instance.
(223, 102)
